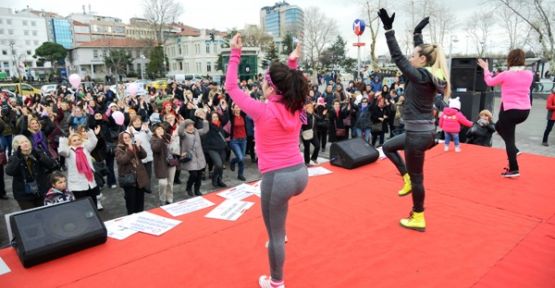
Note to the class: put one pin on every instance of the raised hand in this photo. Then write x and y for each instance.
(236, 42)
(483, 63)
(418, 29)
(386, 20)
(296, 54)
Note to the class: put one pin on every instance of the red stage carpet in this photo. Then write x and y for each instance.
(483, 231)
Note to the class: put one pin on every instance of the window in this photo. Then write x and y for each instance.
(186, 50)
(186, 67)
(9, 21)
(34, 33)
(33, 23)
(27, 42)
(208, 67)
(10, 31)
(25, 22)
(95, 53)
(1, 21)
(28, 52)
(179, 52)
(26, 32)
(1, 31)
(199, 66)
(4, 52)
(207, 48)
(180, 66)
(36, 42)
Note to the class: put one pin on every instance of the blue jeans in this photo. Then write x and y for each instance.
(6, 143)
(455, 137)
(239, 147)
(367, 134)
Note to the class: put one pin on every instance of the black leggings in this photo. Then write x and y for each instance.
(415, 145)
(322, 134)
(194, 179)
(548, 130)
(506, 128)
(306, 144)
(217, 158)
(134, 199)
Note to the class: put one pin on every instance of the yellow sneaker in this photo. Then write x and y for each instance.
(415, 221)
(407, 187)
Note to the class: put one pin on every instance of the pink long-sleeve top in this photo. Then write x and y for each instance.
(515, 87)
(276, 128)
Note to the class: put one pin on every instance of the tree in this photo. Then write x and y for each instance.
(117, 61)
(373, 24)
(334, 56)
(288, 44)
(159, 13)
(478, 28)
(539, 21)
(155, 68)
(514, 26)
(51, 52)
(271, 56)
(320, 31)
(253, 36)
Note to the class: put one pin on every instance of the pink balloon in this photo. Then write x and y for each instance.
(132, 89)
(118, 117)
(75, 80)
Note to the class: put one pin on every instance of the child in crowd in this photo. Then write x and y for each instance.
(450, 121)
(58, 193)
(482, 130)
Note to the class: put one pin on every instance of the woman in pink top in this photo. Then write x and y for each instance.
(515, 102)
(278, 125)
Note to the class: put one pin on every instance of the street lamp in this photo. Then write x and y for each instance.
(142, 66)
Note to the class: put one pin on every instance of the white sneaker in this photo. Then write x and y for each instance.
(445, 148)
(114, 186)
(268, 242)
(313, 162)
(99, 206)
(457, 149)
(265, 282)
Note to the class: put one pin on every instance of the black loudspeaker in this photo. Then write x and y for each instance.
(352, 153)
(466, 75)
(471, 105)
(53, 231)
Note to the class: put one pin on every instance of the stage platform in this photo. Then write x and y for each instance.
(483, 231)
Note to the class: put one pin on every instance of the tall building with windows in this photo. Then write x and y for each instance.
(62, 32)
(20, 34)
(282, 19)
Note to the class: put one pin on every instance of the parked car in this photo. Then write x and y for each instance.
(47, 89)
(158, 84)
(20, 88)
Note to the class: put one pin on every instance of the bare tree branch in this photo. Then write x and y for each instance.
(320, 31)
(160, 13)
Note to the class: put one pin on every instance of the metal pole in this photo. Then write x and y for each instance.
(358, 58)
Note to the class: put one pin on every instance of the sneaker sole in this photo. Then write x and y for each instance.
(511, 176)
(405, 194)
(414, 228)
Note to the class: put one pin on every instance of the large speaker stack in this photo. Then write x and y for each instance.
(467, 83)
(50, 232)
(352, 153)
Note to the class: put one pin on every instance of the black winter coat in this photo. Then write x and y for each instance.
(39, 171)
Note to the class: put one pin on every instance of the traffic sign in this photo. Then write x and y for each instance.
(358, 27)
(359, 44)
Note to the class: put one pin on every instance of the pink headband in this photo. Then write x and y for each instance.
(270, 82)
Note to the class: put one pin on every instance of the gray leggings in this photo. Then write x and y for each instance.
(277, 188)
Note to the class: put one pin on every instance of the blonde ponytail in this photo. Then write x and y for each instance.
(438, 64)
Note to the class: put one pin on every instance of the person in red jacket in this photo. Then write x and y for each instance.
(550, 105)
(450, 121)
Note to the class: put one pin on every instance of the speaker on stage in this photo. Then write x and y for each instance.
(352, 153)
(471, 105)
(50, 232)
(466, 75)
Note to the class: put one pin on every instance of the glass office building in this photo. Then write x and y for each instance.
(281, 19)
(61, 31)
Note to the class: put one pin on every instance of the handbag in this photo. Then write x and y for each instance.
(340, 132)
(189, 153)
(172, 160)
(308, 134)
(3, 158)
(347, 121)
(127, 180)
(377, 127)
